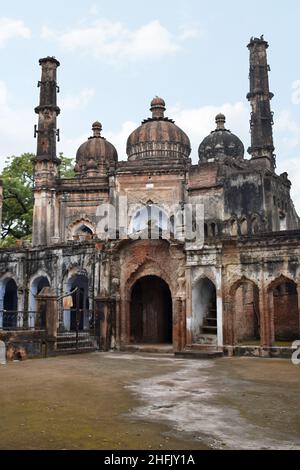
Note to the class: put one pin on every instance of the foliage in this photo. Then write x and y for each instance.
(18, 183)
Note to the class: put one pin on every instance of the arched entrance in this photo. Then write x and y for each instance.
(151, 311)
(204, 316)
(79, 284)
(78, 315)
(36, 287)
(10, 304)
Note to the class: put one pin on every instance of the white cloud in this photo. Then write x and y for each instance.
(94, 10)
(199, 122)
(11, 28)
(189, 32)
(69, 145)
(70, 102)
(114, 41)
(16, 127)
(119, 138)
(287, 149)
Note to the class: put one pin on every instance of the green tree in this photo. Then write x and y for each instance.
(18, 182)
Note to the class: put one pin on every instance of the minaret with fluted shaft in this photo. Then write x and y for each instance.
(262, 146)
(46, 162)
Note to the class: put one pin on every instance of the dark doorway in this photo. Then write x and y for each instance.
(80, 302)
(151, 311)
(10, 305)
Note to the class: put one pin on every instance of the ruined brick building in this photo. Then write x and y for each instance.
(239, 292)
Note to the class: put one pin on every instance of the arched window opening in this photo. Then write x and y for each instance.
(282, 221)
(152, 222)
(244, 227)
(213, 229)
(36, 308)
(205, 231)
(254, 226)
(233, 228)
(83, 233)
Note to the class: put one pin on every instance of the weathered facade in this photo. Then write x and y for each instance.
(236, 293)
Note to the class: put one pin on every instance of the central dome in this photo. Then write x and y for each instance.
(158, 136)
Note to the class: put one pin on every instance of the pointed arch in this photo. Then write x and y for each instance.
(233, 227)
(81, 228)
(37, 282)
(8, 302)
(244, 226)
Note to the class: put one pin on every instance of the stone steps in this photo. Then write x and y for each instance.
(210, 321)
(149, 348)
(209, 329)
(194, 354)
(61, 352)
(202, 347)
(206, 339)
(66, 343)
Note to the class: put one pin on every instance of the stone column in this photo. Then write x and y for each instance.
(21, 320)
(266, 316)
(188, 306)
(219, 320)
(219, 308)
(177, 324)
(298, 293)
(117, 330)
(105, 308)
(183, 325)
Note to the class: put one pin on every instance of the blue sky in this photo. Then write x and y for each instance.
(115, 56)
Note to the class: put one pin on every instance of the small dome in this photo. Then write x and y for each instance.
(158, 136)
(157, 101)
(96, 153)
(221, 143)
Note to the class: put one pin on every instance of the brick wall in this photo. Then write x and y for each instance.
(286, 316)
(246, 310)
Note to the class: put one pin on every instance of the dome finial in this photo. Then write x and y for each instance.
(220, 121)
(97, 128)
(158, 107)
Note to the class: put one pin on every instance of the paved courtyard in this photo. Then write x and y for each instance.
(135, 401)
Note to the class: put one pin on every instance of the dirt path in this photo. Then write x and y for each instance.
(134, 401)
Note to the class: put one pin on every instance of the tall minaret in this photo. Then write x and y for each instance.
(46, 162)
(262, 146)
